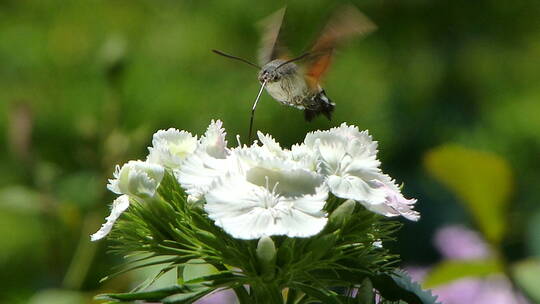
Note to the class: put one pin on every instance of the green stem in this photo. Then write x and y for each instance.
(266, 293)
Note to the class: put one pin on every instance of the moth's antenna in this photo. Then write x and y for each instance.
(294, 59)
(253, 111)
(236, 58)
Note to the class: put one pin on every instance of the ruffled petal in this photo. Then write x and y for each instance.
(170, 147)
(137, 178)
(208, 162)
(213, 142)
(396, 204)
(118, 207)
(355, 188)
(272, 147)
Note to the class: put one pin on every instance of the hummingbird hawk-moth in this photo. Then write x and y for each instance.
(295, 81)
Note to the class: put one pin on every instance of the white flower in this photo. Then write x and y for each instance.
(266, 196)
(205, 164)
(348, 160)
(118, 207)
(170, 147)
(136, 178)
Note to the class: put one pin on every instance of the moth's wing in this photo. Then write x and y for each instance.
(271, 45)
(347, 22)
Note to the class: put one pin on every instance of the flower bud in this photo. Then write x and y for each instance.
(266, 250)
(266, 254)
(341, 214)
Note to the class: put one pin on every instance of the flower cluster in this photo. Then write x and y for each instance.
(263, 189)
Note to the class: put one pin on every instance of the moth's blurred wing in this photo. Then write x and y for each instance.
(346, 23)
(271, 45)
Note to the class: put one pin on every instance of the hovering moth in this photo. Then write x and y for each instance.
(296, 81)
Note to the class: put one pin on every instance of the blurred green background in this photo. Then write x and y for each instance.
(450, 89)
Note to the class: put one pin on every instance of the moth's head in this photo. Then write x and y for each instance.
(275, 70)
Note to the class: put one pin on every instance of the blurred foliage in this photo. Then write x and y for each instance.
(482, 180)
(84, 84)
(448, 271)
(527, 274)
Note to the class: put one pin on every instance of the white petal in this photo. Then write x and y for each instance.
(198, 172)
(300, 224)
(171, 147)
(311, 204)
(208, 162)
(139, 183)
(213, 142)
(137, 178)
(331, 158)
(307, 157)
(396, 202)
(326, 137)
(355, 188)
(239, 207)
(265, 204)
(271, 146)
(295, 182)
(118, 207)
(113, 183)
(362, 148)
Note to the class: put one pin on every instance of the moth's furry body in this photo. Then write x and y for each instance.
(286, 84)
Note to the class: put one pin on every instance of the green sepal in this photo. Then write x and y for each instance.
(340, 215)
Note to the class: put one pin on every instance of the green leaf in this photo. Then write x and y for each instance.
(151, 295)
(527, 276)
(197, 268)
(398, 286)
(482, 180)
(326, 296)
(449, 271)
(187, 298)
(322, 244)
(209, 239)
(284, 255)
(216, 280)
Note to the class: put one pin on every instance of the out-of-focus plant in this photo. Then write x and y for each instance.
(460, 277)
(483, 182)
